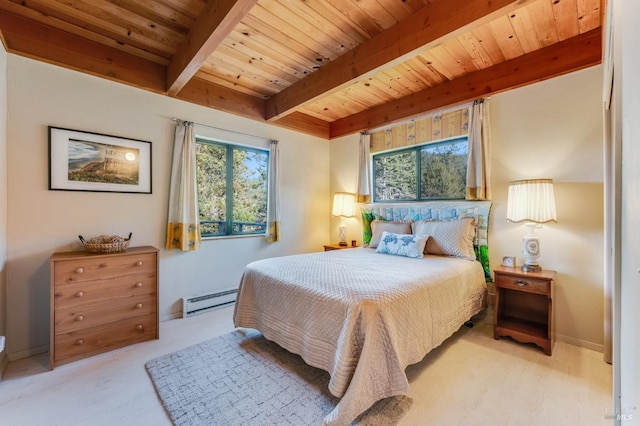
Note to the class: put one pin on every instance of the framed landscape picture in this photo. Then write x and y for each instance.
(85, 161)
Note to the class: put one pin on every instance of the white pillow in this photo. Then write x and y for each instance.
(380, 226)
(408, 245)
(448, 238)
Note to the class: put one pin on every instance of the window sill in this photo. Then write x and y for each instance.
(232, 237)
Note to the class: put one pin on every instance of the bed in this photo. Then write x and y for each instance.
(364, 315)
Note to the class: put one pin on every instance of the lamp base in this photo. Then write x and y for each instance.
(531, 268)
(531, 249)
(343, 233)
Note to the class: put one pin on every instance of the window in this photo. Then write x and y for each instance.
(232, 188)
(426, 172)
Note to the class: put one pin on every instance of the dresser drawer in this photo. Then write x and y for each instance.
(91, 341)
(521, 283)
(102, 267)
(104, 292)
(90, 315)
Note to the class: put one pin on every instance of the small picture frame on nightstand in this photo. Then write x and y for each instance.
(509, 261)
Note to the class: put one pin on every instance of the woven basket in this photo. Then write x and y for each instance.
(106, 243)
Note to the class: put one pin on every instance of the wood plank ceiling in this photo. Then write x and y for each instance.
(323, 67)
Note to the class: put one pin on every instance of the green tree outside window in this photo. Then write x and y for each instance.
(427, 172)
(232, 188)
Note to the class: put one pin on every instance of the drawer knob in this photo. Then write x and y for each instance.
(80, 342)
(139, 263)
(80, 294)
(138, 285)
(521, 283)
(139, 306)
(79, 270)
(139, 327)
(79, 317)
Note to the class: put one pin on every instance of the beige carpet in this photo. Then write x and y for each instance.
(243, 379)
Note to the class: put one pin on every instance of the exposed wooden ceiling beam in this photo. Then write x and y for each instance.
(421, 30)
(304, 123)
(218, 19)
(32, 39)
(205, 93)
(208, 94)
(570, 55)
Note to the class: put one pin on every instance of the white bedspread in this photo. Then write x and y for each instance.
(360, 315)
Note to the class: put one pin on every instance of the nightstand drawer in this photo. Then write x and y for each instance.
(523, 283)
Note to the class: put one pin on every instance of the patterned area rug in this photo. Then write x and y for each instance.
(243, 379)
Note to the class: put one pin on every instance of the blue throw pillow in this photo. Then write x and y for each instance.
(408, 245)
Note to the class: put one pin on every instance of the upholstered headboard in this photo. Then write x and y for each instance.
(436, 211)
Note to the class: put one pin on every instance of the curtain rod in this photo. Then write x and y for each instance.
(224, 130)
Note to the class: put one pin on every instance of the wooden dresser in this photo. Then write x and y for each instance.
(102, 301)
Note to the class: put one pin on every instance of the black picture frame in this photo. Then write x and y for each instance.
(95, 162)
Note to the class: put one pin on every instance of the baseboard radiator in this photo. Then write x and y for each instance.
(207, 302)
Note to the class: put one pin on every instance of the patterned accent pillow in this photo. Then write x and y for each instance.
(408, 245)
(380, 226)
(449, 238)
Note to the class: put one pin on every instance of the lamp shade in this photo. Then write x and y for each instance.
(343, 204)
(531, 200)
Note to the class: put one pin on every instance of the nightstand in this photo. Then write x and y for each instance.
(524, 306)
(329, 247)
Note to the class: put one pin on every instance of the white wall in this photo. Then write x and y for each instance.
(3, 199)
(627, 107)
(41, 222)
(550, 129)
(344, 175)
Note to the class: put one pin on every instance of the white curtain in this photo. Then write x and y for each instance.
(183, 225)
(273, 210)
(363, 194)
(479, 157)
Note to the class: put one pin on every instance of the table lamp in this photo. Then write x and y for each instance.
(531, 201)
(343, 206)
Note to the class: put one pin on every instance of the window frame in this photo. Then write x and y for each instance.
(230, 147)
(418, 163)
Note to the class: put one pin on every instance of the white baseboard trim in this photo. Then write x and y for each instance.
(28, 352)
(581, 343)
(171, 316)
(4, 362)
